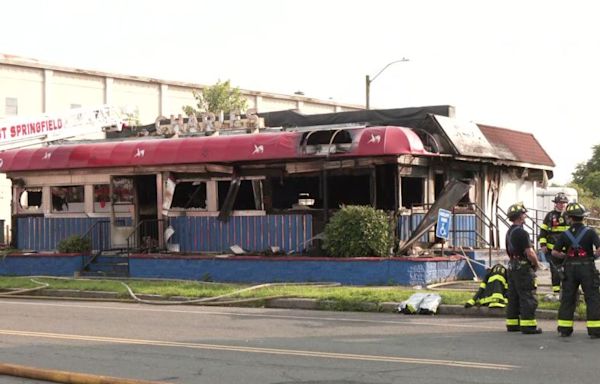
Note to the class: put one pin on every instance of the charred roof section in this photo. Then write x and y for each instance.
(437, 128)
(404, 117)
(522, 146)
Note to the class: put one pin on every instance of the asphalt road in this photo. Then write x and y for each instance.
(190, 344)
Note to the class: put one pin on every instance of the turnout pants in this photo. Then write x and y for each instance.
(522, 302)
(584, 273)
(553, 272)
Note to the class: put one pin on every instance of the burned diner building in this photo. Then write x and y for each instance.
(277, 185)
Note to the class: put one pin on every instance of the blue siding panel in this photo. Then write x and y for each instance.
(252, 233)
(43, 234)
(407, 224)
(462, 228)
(464, 233)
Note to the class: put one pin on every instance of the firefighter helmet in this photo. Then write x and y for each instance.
(576, 210)
(561, 197)
(515, 210)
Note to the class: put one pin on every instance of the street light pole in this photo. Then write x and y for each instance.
(368, 88)
(368, 81)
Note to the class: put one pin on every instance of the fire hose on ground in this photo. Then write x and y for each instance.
(65, 377)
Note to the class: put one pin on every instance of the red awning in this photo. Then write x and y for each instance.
(371, 141)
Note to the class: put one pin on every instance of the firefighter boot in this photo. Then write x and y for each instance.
(535, 331)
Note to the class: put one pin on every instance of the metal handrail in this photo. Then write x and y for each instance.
(88, 234)
(89, 231)
(135, 232)
(480, 213)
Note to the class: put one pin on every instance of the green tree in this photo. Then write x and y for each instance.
(217, 98)
(586, 197)
(587, 174)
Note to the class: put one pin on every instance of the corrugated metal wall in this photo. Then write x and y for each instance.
(462, 228)
(407, 224)
(43, 234)
(252, 233)
(207, 234)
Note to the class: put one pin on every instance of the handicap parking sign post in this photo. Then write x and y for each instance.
(443, 224)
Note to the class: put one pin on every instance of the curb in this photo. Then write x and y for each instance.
(291, 303)
(392, 307)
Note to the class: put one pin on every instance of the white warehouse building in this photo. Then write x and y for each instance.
(29, 87)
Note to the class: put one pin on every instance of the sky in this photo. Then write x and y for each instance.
(531, 66)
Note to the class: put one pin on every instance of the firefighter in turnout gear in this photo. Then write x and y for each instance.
(522, 302)
(576, 247)
(492, 290)
(554, 224)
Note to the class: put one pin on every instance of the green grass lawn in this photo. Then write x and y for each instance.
(336, 297)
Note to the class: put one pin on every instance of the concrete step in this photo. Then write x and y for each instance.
(104, 274)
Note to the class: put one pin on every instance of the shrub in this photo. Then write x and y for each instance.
(74, 244)
(358, 231)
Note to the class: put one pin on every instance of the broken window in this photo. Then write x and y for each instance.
(68, 198)
(293, 192)
(469, 197)
(438, 184)
(101, 197)
(386, 187)
(189, 194)
(412, 189)
(348, 190)
(319, 141)
(248, 196)
(286, 192)
(30, 199)
(123, 191)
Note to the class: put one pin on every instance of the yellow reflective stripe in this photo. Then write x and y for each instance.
(560, 228)
(497, 278)
(512, 321)
(556, 288)
(495, 298)
(544, 227)
(528, 323)
(490, 299)
(593, 323)
(482, 285)
(497, 305)
(471, 301)
(565, 323)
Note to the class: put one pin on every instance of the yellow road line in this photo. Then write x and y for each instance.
(272, 351)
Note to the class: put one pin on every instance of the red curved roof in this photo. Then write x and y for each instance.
(371, 141)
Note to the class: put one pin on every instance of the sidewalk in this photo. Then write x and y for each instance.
(544, 280)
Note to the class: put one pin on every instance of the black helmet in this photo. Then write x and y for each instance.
(576, 210)
(561, 197)
(515, 211)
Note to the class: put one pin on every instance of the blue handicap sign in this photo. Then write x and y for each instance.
(443, 223)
